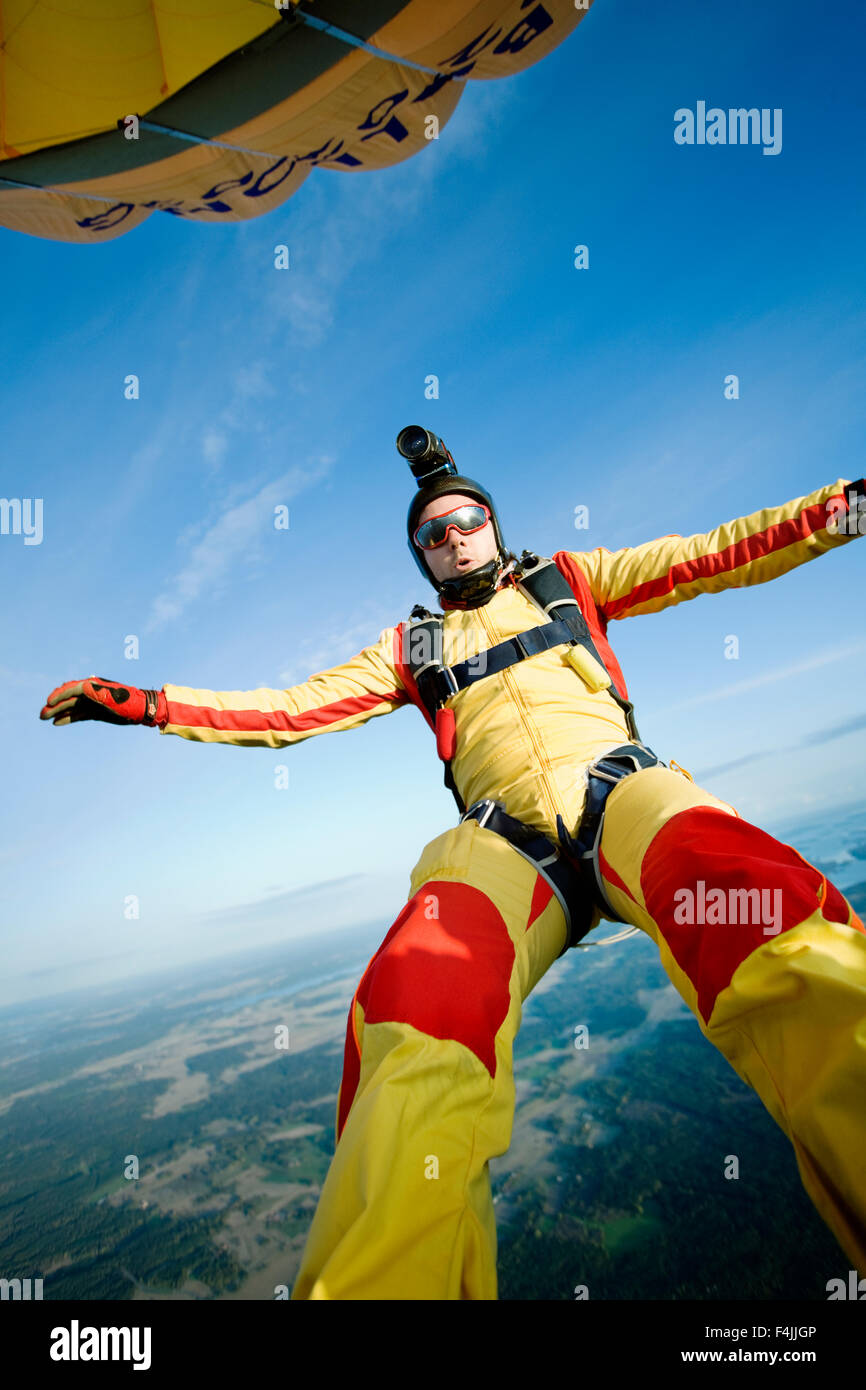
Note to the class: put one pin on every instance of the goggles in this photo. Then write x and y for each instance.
(468, 517)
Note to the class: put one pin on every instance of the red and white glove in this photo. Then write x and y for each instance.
(100, 698)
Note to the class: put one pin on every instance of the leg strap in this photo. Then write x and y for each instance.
(565, 879)
(571, 868)
(602, 777)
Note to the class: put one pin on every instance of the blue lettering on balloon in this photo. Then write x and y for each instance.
(223, 187)
(471, 51)
(261, 186)
(439, 81)
(320, 157)
(394, 128)
(112, 217)
(386, 124)
(372, 119)
(525, 31)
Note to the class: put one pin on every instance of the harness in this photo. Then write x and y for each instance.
(570, 868)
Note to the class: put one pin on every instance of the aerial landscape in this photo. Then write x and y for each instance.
(218, 1087)
(446, 378)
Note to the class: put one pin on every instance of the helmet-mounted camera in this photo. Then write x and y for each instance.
(427, 455)
(437, 476)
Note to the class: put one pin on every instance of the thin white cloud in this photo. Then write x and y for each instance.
(338, 222)
(740, 688)
(483, 107)
(251, 382)
(335, 225)
(214, 446)
(228, 540)
(339, 645)
(816, 739)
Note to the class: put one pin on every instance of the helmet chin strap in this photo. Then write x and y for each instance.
(477, 588)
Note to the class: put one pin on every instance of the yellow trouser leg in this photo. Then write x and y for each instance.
(770, 958)
(427, 1096)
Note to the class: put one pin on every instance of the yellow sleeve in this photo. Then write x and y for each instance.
(335, 700)
(646, 578)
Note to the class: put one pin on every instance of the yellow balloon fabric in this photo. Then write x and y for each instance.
(217, 110)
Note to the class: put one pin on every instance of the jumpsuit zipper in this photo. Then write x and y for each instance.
(545, 768)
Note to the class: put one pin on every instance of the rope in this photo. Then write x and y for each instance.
(325, 27)
(203, 140)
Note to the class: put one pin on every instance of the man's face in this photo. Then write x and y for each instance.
(458, 554)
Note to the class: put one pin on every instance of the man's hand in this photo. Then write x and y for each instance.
(100, 698)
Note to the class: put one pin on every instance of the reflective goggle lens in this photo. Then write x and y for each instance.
(470, 517)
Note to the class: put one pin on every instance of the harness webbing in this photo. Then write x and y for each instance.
(571, 866)
(548, 589)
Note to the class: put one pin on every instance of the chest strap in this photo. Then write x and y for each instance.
(445, 681)
(546, 587)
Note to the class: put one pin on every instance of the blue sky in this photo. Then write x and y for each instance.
(558, 387)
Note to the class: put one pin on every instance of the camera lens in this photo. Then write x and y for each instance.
(413, 442)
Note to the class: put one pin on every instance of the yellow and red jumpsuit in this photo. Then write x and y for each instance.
(427, 1094)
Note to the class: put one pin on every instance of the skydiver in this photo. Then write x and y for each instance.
(566, 819)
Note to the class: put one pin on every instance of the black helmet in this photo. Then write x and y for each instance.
(471, 590)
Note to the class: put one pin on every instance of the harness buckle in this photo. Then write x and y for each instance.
(450, 680)
(489, 806)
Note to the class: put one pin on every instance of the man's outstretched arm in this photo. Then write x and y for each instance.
(341, 698)
(751, 550)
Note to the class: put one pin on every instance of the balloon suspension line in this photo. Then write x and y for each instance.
(293, 11)
(203, 139)
(158, 130)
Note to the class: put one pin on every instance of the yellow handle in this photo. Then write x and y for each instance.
(589, 670)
